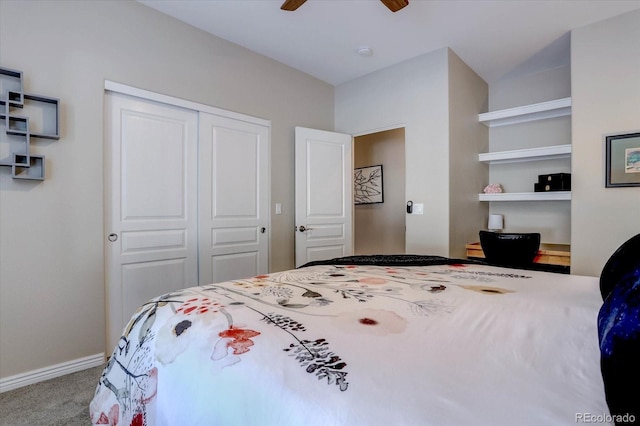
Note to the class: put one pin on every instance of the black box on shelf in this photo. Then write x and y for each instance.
(553, 182)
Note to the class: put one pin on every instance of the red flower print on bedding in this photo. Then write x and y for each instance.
(138, 420)
(240, 339)
(192, 316)
(111, 419)
(378, 322)
(236, 338)
(373, 281)
(198, 305)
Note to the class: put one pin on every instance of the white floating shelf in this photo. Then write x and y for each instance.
(539, 111)
(527, 196)
(531, 154)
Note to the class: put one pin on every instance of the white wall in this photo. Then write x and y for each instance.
(438, 98)
(605, 72)
(413, 93)
(552, 219)
(380, 228)
(52, 305)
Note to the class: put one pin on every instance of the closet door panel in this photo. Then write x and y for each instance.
(151, 204)
(233, 198)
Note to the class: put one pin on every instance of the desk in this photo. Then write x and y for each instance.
(557, 256)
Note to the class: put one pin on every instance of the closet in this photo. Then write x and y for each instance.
(186, 198)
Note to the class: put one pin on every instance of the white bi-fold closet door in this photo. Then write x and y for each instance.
(187, 198)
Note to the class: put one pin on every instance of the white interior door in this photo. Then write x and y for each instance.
(234, 199)
(323, 195)
(151, 204)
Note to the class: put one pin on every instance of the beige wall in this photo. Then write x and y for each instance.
(51, 236)
(467, 137)
(605, 86)
(52, 305)
(380, 228)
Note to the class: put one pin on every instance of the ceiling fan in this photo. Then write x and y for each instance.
(393, 5)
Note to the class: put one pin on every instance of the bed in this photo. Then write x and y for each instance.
(364, 340)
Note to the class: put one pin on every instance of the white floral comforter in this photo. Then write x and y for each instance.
(458, 344)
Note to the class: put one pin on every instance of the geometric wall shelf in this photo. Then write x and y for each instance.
(24, 116)
(33, 171)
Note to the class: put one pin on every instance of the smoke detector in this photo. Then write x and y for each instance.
(365, 51)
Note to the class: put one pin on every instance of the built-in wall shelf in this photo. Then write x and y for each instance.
(527, 196)
(530, 154)
(522, 114)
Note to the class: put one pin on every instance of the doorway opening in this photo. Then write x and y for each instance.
(379, 228)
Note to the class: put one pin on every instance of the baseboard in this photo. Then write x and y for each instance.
(51, 372)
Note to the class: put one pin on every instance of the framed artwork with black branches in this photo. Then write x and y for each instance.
(367, 183)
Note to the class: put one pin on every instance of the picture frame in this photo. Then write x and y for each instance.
(622, 160)
(368, 185)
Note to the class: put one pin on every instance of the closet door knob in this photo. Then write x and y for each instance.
(113, 238)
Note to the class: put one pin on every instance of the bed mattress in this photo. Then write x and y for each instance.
(438, 342)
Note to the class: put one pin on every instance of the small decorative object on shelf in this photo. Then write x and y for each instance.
(553, 182)
(496, 223)
(494, 188)
(14, 104)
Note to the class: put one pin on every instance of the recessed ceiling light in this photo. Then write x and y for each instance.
(365, 51)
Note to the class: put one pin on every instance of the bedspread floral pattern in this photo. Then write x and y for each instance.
(163, 328)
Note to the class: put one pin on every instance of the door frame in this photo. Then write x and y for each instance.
(371, 132)
(183, 103)
(380, 129)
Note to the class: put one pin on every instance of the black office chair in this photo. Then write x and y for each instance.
(516, 250)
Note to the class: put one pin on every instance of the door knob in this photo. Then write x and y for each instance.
(113, 238)
(263, 230)
(302, 228)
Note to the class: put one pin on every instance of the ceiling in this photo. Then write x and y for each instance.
(494, 37)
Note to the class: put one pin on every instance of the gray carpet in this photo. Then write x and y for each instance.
(63, 401)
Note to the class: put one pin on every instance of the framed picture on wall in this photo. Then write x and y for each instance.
(623, 160)
(367, 183)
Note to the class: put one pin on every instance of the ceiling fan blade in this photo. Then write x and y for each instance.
(395, 5)
(291, 5)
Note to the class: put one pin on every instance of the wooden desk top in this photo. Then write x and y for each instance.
(550, 254)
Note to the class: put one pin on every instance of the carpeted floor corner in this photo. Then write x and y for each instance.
(63, 401)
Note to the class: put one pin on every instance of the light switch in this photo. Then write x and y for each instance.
(418, 208)
(278, 208)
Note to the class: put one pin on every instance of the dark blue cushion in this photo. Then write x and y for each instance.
(621, 262)
(619, 330)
